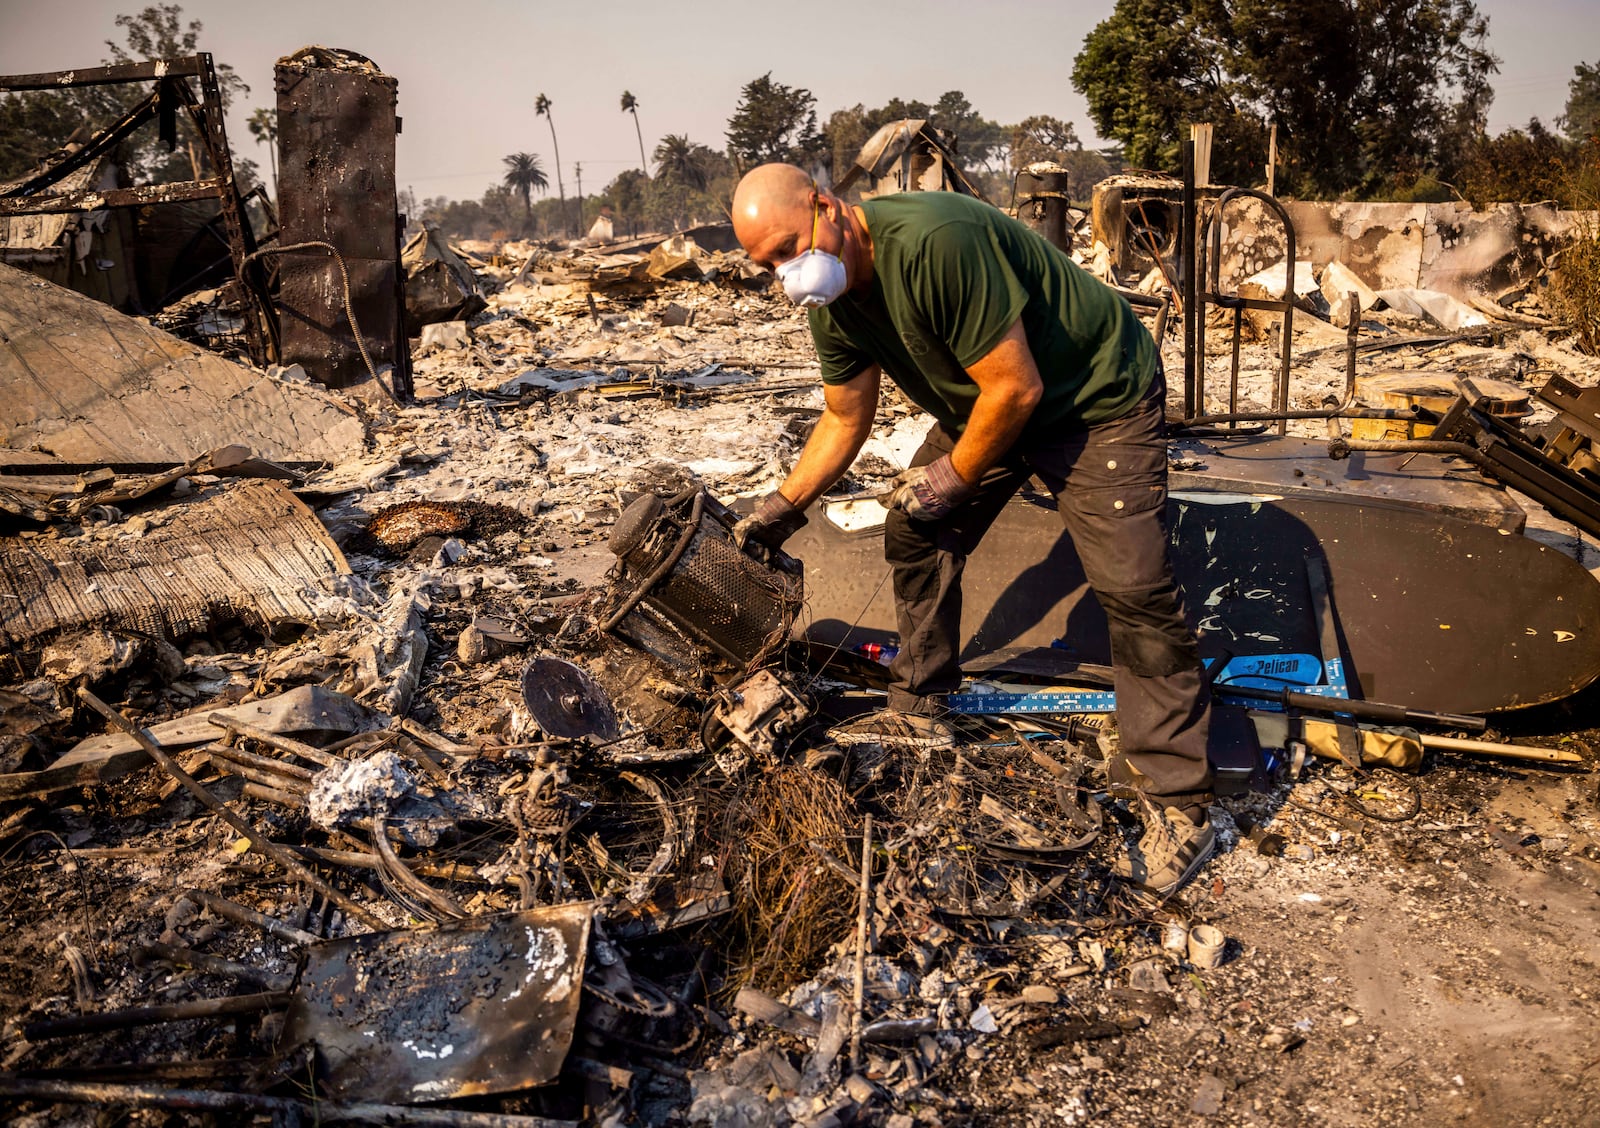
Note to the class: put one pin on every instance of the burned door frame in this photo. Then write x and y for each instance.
(172, 90)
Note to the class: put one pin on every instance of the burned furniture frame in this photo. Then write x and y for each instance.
(173, 91)
(1199, 274)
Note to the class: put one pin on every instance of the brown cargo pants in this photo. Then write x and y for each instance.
(1110, 484)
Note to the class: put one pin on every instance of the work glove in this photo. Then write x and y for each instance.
(775, 520)
(928, 493)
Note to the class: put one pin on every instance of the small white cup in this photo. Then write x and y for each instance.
(1206, 943)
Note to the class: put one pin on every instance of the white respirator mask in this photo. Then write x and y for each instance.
(812, 278)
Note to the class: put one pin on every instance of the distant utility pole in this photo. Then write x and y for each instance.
(577, 170)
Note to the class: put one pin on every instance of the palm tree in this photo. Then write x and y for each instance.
(681, 161)
(630, 105)
(541, 108)
(524, 173)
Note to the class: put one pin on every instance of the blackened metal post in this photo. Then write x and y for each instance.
(1187, 282)
(336, 154)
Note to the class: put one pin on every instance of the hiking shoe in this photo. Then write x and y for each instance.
(894, 729)
(1170, 852)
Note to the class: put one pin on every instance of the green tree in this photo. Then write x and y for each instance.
(32, 125)
(774, 122)
(979, 141)
(1581, 119)
(524, 173)
(159, 32)
(541, 108)
(625, 195)
(263, 126)
(1365, 93)
(1042, 138)
(630, 105)
(35, 123)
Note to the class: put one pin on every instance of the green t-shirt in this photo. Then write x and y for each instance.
(950, 276)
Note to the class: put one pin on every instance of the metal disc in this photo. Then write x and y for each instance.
(564, 701)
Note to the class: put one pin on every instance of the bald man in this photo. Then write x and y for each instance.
(1029, 366)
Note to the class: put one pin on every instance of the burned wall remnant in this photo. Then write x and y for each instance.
(336, 145)
(908, 156)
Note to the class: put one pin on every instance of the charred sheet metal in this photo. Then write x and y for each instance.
(439, 285)
(1436, 613)
(82, 382)
(1137, 217)
(483, 1005)
(336, 151)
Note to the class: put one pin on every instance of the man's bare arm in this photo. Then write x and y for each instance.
(837, 438)
(1008, 390)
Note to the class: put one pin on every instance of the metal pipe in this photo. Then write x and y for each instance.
(261, 763)
(269, 794)
(1510, 751)
(232, 910)
(1340, 448)
(1346, 707)
(1187, 280)
(258, 840)
(273, 740)
(1214, 258)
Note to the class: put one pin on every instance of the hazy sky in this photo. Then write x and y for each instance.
(469, 70)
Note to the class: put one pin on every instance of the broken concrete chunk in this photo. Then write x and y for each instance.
(1338, 283)
(444, 335)
(1440, 308)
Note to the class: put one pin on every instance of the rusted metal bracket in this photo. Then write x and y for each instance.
(173, 89)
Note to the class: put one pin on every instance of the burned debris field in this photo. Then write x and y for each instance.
(400, 723)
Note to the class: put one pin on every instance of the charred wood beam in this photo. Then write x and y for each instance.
(187, 66)
(239, 914)
(284, 1108)
(91, 199)
(213, 965)
(149, 1016)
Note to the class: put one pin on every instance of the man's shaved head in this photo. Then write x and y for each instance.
(772, 200)
(775, 212)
